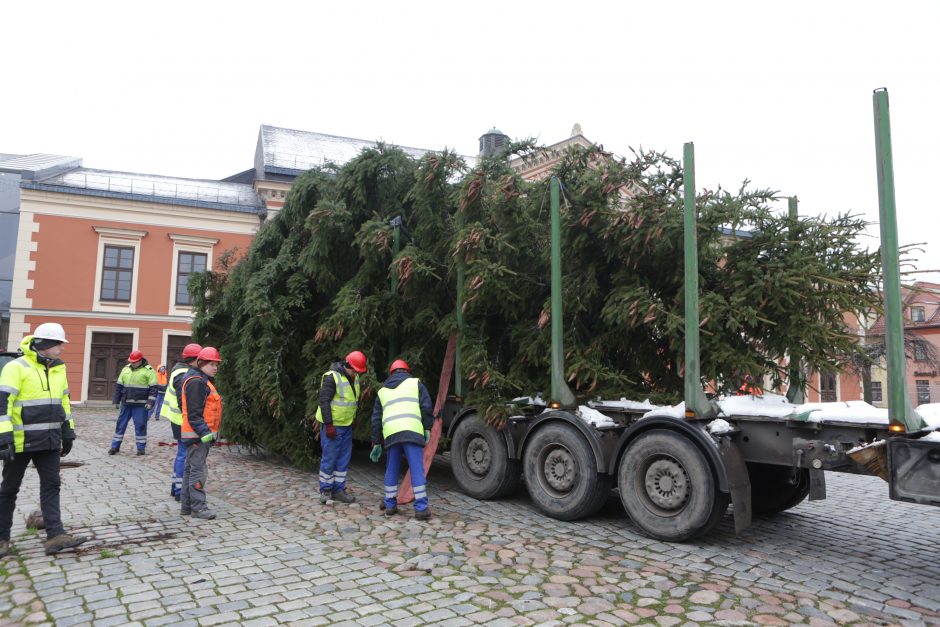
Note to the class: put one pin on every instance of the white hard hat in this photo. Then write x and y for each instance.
(50, 331)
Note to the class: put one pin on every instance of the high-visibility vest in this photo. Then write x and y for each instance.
(137, 384)
(401, 410)
(344, 401)
(161, 375)
(37, 402)
(211, 413)
(171, 404)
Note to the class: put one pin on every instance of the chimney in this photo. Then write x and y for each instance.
(493, 143)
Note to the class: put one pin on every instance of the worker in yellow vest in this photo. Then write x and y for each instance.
(173, 412)
(402, 419)
(339, 400)
(36, 425)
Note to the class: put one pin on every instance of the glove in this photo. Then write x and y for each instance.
(330, 431)
(376, 453)
(208, 437)
(427, 437)
(7, 451)
(66, 447)
(148, 407)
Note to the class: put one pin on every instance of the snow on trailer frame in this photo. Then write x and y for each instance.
(678, 468)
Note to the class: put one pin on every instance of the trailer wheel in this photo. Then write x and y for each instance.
(775, 489)
(561, 473)
(480, 460)
(668, 488)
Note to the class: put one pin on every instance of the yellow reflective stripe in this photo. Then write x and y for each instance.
(65, 392)
(394, 417)
(9, 389)
(138, 386)
(41, 426)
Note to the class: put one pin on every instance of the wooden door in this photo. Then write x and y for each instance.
(109, 353)
(174, 349)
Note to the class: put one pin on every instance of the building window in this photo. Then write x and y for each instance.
(876, 396)
(117, 273)
(827, 387)
(917, 314)
(189, 263)
(920, 351)
(923, 391)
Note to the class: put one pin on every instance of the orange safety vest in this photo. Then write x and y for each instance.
(161, 376)
(212, 413)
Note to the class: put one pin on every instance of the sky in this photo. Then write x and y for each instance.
(776, 93)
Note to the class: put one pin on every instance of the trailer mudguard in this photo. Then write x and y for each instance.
(693, 431)
(561, 415)
(506, 432)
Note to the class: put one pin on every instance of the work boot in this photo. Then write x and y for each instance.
(185, 512)
(325, 498)
(139, 452)
(205, 514)
(113, 451)
(61, 542)
(391, 511)
(4, 547)
(341, 497)
(35, 521)
(422, 514)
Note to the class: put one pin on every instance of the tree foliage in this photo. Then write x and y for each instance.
(317, 283)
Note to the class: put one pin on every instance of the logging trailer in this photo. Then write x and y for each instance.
(678, 468)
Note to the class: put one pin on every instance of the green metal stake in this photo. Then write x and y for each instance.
(696, 405)
(561, 393)
(901, 414)
(393, 283)
(795, 392)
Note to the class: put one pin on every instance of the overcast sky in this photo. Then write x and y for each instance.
(779, 95)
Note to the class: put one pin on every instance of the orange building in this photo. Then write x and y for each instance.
(108, 255)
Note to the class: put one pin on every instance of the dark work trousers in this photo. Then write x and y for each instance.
(47, 465)
(195, 473)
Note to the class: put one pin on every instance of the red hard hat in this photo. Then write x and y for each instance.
(191, 350)
(209, 353)
(135, 356)
(356, 361)
(397, 365)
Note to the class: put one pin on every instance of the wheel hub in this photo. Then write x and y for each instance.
(478, 456)
(667, 485)
(559, 470)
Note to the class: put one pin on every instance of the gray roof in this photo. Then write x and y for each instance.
(150, 188)
(37, 165)
(291, 152)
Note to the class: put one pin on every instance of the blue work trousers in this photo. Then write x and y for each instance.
(414, 454)
(139, 414)
(334, 461)
(179, 462)
(155, 414)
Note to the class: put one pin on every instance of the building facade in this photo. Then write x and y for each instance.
(108, 255)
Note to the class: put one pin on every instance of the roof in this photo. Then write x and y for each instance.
(291, 152)
(37, 165)
(151, 188)
(914, 295)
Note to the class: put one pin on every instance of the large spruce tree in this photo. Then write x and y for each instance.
(320, 279)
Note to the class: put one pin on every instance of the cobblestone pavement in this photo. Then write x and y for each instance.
(275, 555)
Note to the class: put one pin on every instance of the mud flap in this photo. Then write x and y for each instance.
(817, 484)
(739, 485)
(914, 468)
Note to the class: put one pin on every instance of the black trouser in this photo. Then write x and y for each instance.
(47, 465)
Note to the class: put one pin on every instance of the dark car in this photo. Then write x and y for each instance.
(6, 357)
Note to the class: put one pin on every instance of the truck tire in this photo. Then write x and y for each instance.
(561, 473)
(668, 487)
(480, 460)
(775, 489)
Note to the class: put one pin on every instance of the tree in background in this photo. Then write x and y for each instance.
(320, 280)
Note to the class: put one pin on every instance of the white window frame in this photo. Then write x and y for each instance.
(838, 388)
(921, 311)
(187, 244)
(127, 238)
(166, 338)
